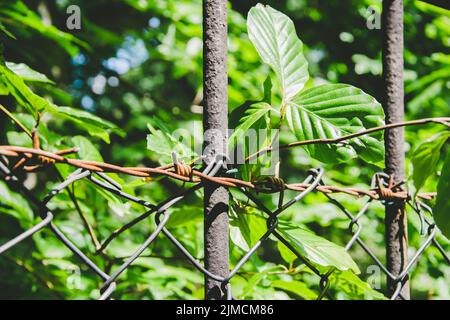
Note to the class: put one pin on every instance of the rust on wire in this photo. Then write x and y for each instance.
(183, 172)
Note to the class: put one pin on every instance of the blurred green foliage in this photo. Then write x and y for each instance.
(135, 68)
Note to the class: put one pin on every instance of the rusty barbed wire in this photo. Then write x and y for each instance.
(186, 173)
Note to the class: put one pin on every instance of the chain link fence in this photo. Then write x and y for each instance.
(380, 184)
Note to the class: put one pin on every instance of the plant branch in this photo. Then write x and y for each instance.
(86, 223)
(15, 120)
(442, 121)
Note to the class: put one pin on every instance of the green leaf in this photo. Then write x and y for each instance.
(252, 284)
(94, 125)
(86, 150)
(184, 216)
(286, 254)
(267, 90)
(14, 204)
(162, 143)
(426, 157)
(50, 246)
(296, 287)
(316, 249)
(167, 271)
(246, 226)
(256, 116)
(332, 111)
(274, 37)
(19, 139)
(13, 84)
(254, 113)
(442, 208)
(27, 74)
(423, 82)
(426, 95)
(353, 287)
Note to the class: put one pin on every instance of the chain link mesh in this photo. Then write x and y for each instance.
(313, 182)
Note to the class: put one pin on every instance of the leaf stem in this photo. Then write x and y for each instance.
(15, 120)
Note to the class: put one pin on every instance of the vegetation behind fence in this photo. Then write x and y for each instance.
(75, 225)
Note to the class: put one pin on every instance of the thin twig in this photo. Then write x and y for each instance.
(46, 283)
(86, 223)
(15, 120)
(442, 121)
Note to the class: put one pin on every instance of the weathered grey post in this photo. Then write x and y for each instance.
(395, 220)
(215, 123)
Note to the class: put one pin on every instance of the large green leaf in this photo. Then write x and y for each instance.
(426, 157)
(94, 125)
(441, 210)
(274, 37)
(86, 150)
(332, 111)
(350, 286)
(13, 84)
(15, 205)
(296, 287)
(27, 74)
(184, 216)
(247, 226)
(316, 249)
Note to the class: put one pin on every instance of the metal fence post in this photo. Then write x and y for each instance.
(215, 123)
(395, 219)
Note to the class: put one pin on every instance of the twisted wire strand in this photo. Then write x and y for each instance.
(185, 173)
